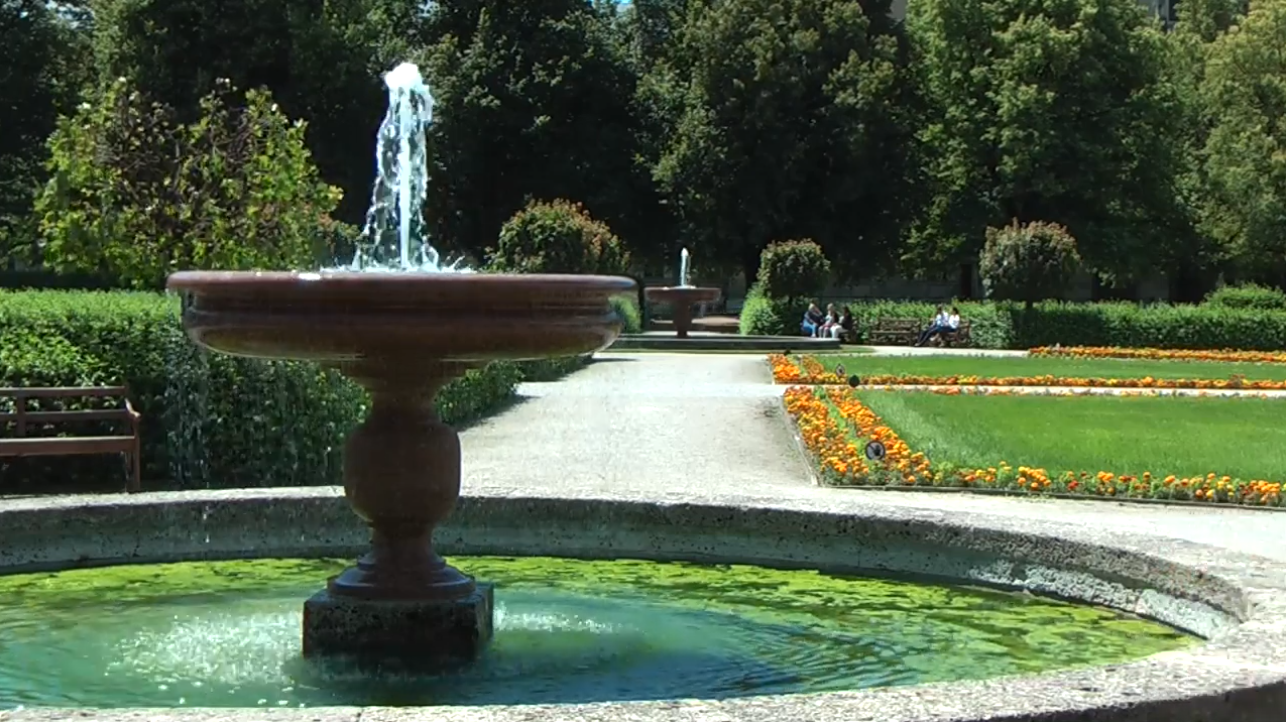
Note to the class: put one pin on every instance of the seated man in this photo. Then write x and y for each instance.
(936, 326)
(813, 321)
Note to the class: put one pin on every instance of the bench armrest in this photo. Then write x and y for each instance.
(134, 416)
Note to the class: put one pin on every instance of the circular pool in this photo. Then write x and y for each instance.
(226, 634)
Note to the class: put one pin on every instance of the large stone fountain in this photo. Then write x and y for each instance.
(402, 336)
(681, 298)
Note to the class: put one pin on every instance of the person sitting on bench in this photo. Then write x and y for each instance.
(813, 320)
(937, 326)
(953, 323)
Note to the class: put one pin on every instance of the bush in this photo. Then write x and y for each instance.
(558, 237)
(209, 420)
(1028, 263)
(627, 307)
(1248, 296)
(1149, 326)
(792, 270)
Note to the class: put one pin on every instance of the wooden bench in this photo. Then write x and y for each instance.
(894, 332)
(960, 336)
(23, 419)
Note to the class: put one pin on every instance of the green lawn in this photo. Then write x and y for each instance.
(1241, 437)
(1040, 366)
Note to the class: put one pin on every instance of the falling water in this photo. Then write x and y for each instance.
(683, 268)
(394, 238)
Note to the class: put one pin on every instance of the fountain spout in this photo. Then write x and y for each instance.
(683, 269)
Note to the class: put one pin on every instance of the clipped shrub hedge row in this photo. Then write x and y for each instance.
(208, 420)
(1007, 325)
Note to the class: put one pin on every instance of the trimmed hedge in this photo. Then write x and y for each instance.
(1007, 325)
(209, 420)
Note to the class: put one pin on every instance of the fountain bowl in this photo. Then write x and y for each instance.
(349, 317)
(401, 336)
(681, 299)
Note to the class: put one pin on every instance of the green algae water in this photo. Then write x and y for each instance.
(226, 634)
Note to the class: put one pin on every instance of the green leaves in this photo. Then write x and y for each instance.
(1049, 110)
(558, 237)
(1029, 262)
(136, 194)
(793, 270)
(1244, 94)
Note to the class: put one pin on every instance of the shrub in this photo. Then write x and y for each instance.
(627, 307)
(792, 270)
(558, 237)
(209, 420)
(1247, 296)
(1028, 263)
(137, 194)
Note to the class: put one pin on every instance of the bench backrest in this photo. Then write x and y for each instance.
(897, 323)
(21, 416)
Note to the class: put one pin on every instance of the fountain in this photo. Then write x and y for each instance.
(682, 297)
(401, 325)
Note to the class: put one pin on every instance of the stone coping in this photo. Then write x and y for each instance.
(1235, 601)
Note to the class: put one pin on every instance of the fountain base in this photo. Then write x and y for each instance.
(404, 633)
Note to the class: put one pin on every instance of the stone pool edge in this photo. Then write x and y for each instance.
(1237, 600)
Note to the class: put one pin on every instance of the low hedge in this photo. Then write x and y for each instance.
(209, 420)
(1007, 325)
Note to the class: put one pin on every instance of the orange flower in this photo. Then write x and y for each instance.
(836, 426)
(1157, 354)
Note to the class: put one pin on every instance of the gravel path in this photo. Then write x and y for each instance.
(674, 428)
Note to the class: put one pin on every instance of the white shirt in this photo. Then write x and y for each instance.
(940, 319)
(953, 321)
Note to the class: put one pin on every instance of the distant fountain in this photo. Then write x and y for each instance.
(681, 297)
(401, 332)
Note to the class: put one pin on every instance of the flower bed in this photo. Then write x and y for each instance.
(809, 370)
(1159, 354)
(835, 427)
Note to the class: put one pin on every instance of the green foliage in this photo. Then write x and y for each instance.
(1248, 296)
(209, 420)
(533, 99)
(136, 194)
(1010, 325)
(558, 237)
(627, 307)
(785, 118)
(793, 270)
(1053, 110)
(1029, 262)
(1245, 153)
(40, 64)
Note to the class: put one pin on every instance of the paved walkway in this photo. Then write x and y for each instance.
(697, 427)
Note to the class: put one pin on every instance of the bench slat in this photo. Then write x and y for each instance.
(67, 445)
(53, 392)
(54, 417)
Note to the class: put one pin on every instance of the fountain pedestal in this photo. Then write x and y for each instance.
(402, 337)
(681, 299)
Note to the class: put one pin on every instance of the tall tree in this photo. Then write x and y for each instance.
(39, 53)
(1245, 154)
(1046, 110)
(321, 59)
(793, 125)
(533, 102)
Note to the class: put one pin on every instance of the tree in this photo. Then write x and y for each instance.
(1046, 110)
(321, 59)
(136, 194)
(38, 52)
(1029, 262)
(1245, 153)
(792, 125)
(534, 102)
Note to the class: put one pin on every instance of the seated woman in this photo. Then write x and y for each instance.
(813, 321)
(843, 327)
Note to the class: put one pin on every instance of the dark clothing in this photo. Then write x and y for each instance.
(813, 321)
(932, 331)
